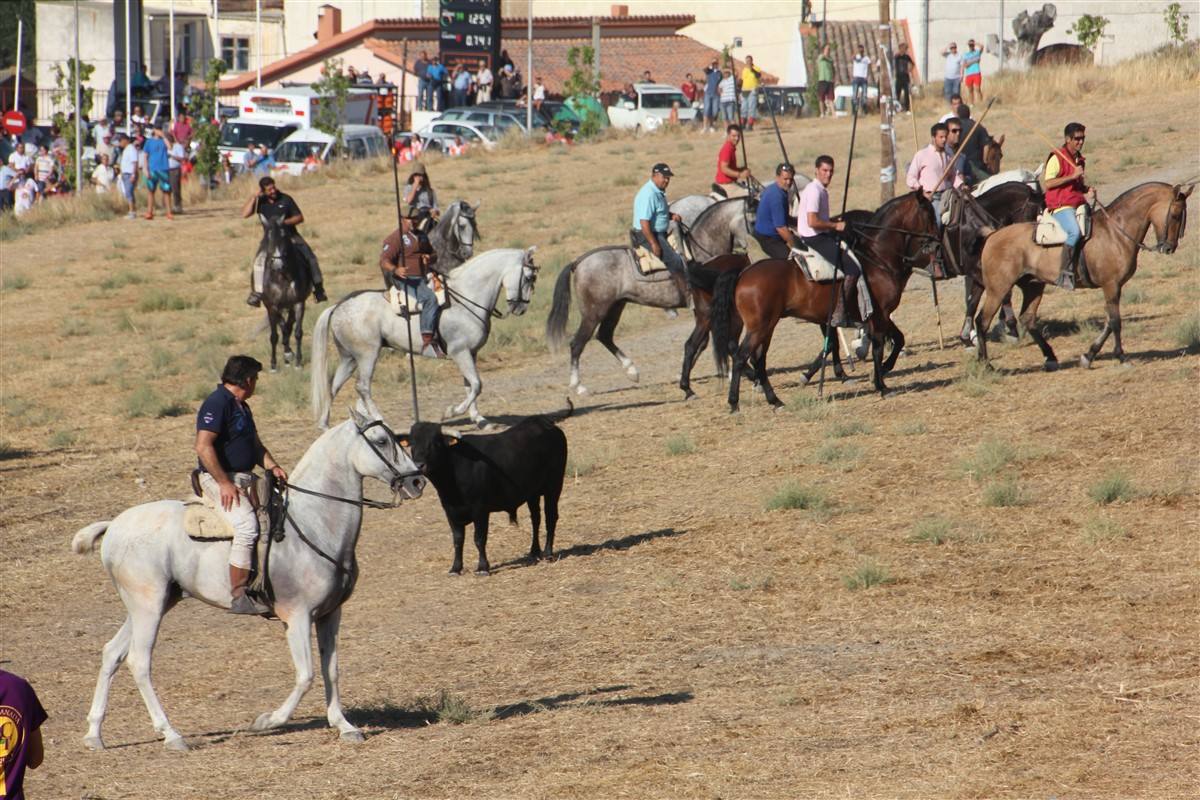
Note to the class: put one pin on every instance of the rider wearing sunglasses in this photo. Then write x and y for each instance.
(1063, 180)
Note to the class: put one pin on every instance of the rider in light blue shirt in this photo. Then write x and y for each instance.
(651, 219)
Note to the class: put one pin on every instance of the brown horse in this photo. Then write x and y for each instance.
(703, 282)
(1108, 261)
(901, 236)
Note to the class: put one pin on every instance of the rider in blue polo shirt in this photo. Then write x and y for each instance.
(652, 218)
(770, 222)
(228, 447)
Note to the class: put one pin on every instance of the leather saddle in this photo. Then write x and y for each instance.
(1049, 233)
(648, 263)
(404, 300)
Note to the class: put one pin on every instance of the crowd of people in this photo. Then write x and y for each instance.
(440, 87)
(719, 95)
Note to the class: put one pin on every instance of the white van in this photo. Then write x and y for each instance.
(268, 116)
(358, 141)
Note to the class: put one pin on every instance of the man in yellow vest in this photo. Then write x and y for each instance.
(751, 78)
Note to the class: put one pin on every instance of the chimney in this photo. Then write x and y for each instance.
(620, 11)
(329, 22)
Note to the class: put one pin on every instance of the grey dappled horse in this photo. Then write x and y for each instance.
(363, 323)
(453, 237)
(286, 286)
(154, 563)
(607, 278)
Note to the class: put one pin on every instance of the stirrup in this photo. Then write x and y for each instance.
(245, 604)
(254, 299)
(319, 293)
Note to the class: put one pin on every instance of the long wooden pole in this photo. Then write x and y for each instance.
(887, 161)
(78, 116)
(398, 124)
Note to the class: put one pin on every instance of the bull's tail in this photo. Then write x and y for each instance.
(722, 313)
(85, 540)
(556, 323)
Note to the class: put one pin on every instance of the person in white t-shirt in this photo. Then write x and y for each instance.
(539, 95)
(952, 80)
(484, 80)
(102, 175)
(25, 192)
(861, 75)
(129, 173)
(19, 159)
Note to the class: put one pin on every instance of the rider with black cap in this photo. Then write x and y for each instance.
(652, 218)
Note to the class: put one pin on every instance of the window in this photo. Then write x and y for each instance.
(235, 52)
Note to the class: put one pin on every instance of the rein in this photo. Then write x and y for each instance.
(1166, 226)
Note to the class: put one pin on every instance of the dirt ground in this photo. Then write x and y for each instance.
(1021, 638)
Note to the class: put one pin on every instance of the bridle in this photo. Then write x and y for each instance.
(482, 312)
(1165, 241)
(931, 242)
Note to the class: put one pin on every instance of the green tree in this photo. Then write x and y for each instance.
(334, 84)
(1088, 30)
(1177, 23)
(65, 81)
(582, 87)
(26, 11)
(206, 128)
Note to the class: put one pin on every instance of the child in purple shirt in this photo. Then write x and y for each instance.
(21, 718)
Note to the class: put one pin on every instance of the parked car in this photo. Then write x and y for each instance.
(486, 115)
(651, 109)
(553, 112)
(440, 134)
(358, 142)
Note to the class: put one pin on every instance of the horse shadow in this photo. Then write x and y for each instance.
(580, 550)
(568, 699)
(579, 411)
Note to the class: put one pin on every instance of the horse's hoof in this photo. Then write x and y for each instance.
(632, 372)
(483, 573)
(688, 394)
(93, 743)
(263, 723)
(287, 357)
(1011, 338)
(273, 370)
(548, 557)
(1085, 362)
(1125, 363)
(733, 409)
(455, 571)
(354, 735)
(581, 390)
(1050, 366)
(176, 743)
(777, 406)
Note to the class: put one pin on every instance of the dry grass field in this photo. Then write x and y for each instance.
(979, 586)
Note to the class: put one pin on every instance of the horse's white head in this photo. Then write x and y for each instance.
(376, 453)
(519, 281)
(463, 228)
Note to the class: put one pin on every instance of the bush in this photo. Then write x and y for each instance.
(1003, 494)
(680, 444)
(867, 575)
(159, 300)
(934, 530)
(1187, 333)
(991, 456)
(145, 402)
(1114, 487)
(792, 495)
(16, 282)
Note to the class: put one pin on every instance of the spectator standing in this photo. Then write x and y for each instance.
(751, 79)
(952, 80)
(437, 85)
(158, 172)
(25, 192)
(955, 103)
(138, 117)
(176, 155)
(861, 77)
(972, 70)
(102, 137)
(460, 85)
(904, 68)
(102, 175)
(688, 87)
(19, 159)
(251, 159)
(104, 146)
(712, 95)
(227, 168)
(539, 94)
(182, 131)
(484, 80)
(457, 148)
(646, 77)
(118, 122)
(825, 80)
(506, 61)
(21, 718)
(8, 177)
(43, 168)
(265, 163)
(129, 173)
(728, 90)
(421, 70)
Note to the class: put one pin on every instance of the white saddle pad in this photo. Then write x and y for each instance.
(405, 302)
(1011, 176)
(201, 521)
(816, 267)
(1050, 233)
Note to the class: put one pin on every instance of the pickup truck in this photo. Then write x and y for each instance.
(650, 111)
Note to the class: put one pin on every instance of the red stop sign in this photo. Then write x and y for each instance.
(14, 122)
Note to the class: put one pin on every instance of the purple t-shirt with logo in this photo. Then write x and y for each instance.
(20, 715)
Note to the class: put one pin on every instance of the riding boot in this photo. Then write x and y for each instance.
(319, 293)
(430, 347)
(254, 299)
(681, 283)
(845, 297)
(1066, 274)
(241, 602)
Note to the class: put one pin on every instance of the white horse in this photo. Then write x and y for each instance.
(154, 563)
(364, 323)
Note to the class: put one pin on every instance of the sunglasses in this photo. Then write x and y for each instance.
(1078, 138)
(954, 130)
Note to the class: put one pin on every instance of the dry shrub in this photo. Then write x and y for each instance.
(1048, 84)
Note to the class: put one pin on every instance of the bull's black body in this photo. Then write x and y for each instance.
(481, 474)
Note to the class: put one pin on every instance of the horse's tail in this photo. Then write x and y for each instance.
(85, 540)
(722, 313)
(322, 396)
(556, 323)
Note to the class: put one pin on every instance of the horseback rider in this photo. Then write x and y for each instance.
(421, 199)
(228, 448)
(280, 208)
(928, 167)
(651, 219)
(1063, 180)
(405, 261)
(771, 222)
(819, 233)
(732, 180)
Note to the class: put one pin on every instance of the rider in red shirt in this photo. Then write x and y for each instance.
(729, 174)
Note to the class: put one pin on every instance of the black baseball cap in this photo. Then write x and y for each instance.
(662, 169)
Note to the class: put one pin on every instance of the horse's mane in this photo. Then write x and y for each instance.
(1132, 189)
(712, 209)
(887, 207)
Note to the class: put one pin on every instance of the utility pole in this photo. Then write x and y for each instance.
(1001, 35)
(887, 160)
(529, 74)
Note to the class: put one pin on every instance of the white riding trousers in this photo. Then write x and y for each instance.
(241, 516)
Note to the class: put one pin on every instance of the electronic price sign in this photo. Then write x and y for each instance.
(469, 33)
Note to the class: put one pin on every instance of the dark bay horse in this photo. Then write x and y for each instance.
(286, 285)
(607, 279)
(900, 236)
(704, 281)
(1108, 261)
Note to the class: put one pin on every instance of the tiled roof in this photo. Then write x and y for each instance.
(622, 59)
(844, 37)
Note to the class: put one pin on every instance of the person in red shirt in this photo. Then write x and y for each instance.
(689, 88)
(731, 180)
